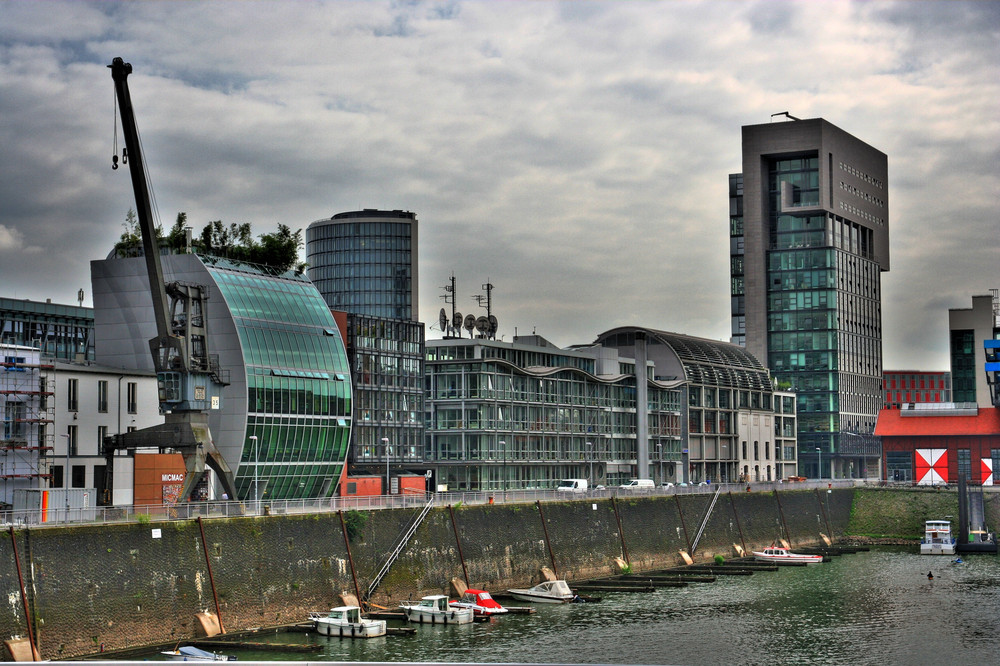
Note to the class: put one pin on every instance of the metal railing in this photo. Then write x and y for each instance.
(233, 509)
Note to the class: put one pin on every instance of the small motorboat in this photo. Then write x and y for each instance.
(434, 609)
(547, 592)
(191, 653)
(779, 555)
(480, 602)
(346, 622)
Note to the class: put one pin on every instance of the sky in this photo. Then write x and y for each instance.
(575, 155)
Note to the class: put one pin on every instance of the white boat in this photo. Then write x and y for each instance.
(346, 622)
(779, 555)
(547, 592)
(937, 538)
(191, 653)
(434, 609)
(480, 602)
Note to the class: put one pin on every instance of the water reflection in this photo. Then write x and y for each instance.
(867, 608)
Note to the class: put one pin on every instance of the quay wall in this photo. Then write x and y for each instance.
(118, 586)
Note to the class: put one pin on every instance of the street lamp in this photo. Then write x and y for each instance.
(256, 469)
(385, 443)
(659, 460)
(590, 455)
(503, 445)
(66, 477)
(819, 458)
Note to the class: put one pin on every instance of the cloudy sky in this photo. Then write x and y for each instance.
(573, 154)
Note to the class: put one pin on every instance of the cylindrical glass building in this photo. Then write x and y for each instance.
(365, 262)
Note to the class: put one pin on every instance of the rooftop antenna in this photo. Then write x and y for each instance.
(489, 328)
(785, 113)
(456, 317)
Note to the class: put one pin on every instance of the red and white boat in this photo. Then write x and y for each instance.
(779, 555)
(480, 602)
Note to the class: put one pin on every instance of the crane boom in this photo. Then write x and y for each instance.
(187, 376)
(150, 249)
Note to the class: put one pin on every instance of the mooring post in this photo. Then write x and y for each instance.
(350, 559)
(738, 527)
(211, 577)
(458, 542)
(683, 524)
(24, 597)
(782, 515)
(621, 534)
(826, 518)
(548, 544)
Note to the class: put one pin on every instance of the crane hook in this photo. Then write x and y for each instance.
(114, 162)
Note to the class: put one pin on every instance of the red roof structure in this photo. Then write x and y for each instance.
(892, 423)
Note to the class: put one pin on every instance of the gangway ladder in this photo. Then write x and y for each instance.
(399, 549)
(708, 514)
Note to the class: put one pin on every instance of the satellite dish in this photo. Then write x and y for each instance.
(494, 324)
(470, 322)
(443, 320)
(483, 325)
(456, 322)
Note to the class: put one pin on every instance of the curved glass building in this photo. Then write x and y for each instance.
(285, 417)
(364, 262)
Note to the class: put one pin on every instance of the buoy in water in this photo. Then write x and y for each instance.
(930, 576)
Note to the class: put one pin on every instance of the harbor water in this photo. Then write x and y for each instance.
(875, 607)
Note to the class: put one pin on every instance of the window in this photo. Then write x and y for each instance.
(102, 396)
(71, 441)
(79, 476)
(72, 395)
(102, 432)
(132, 401)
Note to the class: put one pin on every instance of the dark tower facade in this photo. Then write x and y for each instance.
(809, 239)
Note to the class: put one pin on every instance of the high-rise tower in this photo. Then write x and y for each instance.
(365, 262)
(809, 239)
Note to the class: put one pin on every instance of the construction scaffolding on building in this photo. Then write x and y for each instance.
(27, 410)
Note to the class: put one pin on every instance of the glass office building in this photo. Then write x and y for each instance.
(523, 415)
(58, 331)
(285, 415)
(365, 262)
(809, 239)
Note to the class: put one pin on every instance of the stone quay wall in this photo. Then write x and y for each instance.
(117, 586)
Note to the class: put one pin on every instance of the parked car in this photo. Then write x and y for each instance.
(666, 485)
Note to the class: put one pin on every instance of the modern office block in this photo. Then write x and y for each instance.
(971, 332)
(365, 262)
(809, 238)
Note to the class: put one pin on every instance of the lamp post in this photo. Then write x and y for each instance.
(503, 445)
(256, 469)
(659, 460)
(385, 443)
(66, 477)
(590, 455)
(819, 458)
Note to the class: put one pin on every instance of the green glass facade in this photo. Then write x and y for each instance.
(298, 384)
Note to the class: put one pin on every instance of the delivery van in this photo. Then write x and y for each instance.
(572, 486)
(638, 484)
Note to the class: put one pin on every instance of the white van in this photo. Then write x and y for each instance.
(638, 484)
(572, 486)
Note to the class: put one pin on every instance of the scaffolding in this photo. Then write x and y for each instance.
(27, 410)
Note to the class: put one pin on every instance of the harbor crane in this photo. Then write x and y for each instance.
(189, 379)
